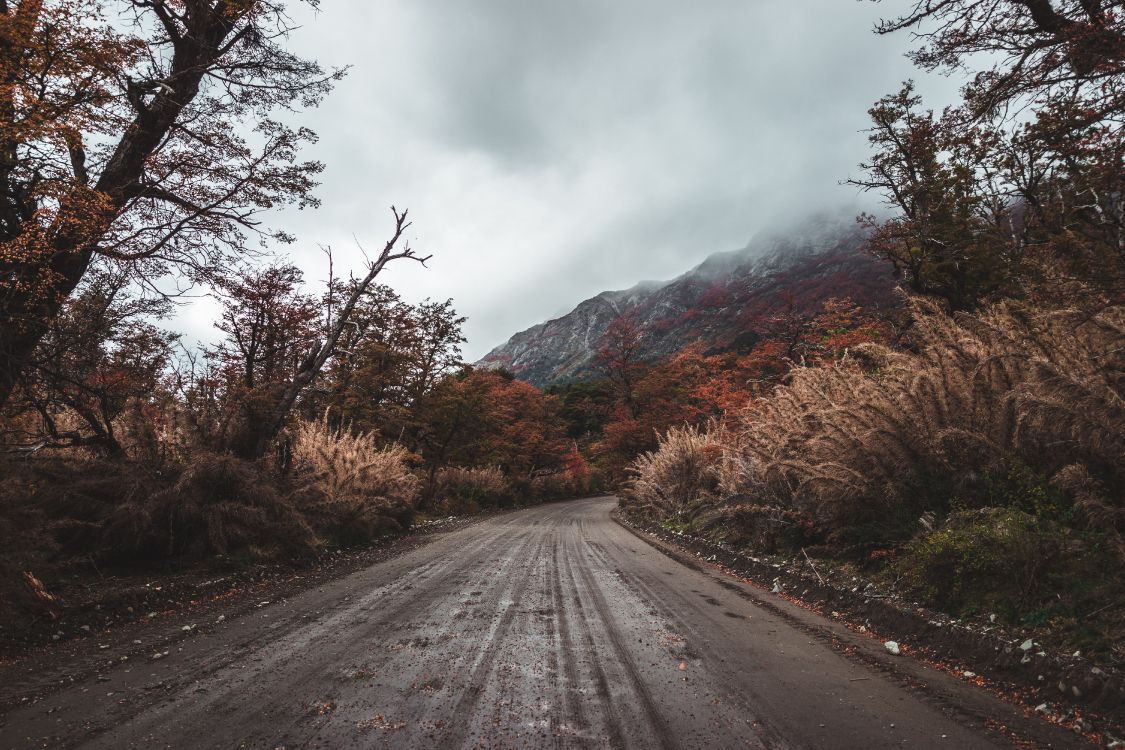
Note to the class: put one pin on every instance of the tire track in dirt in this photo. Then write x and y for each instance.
(548, 627)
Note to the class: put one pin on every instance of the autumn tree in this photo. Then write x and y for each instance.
(120, 139)
(951, 235)
(269, 321)
(620, 358)
(585, 408)
(1069, 184)
(488, 418)
(1035, 51)
(102, 354)
(1017, 192)
(437, 345)
(390, 357)
(364, 384)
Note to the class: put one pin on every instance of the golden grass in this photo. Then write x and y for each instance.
(1042, 387)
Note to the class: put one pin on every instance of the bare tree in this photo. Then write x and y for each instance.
(322, 350)
(120, 140)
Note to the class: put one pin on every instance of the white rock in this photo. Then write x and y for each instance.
(969, 674)
(1027, 645)
(892, 646)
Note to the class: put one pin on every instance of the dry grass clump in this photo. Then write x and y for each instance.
(355, 490)
(463, 490)
(985, 462)
(682, 477)
(1013, 407)
(1038, 388)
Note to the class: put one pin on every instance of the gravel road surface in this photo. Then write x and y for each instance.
(552, 627)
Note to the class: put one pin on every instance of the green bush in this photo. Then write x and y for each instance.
(1000, 559)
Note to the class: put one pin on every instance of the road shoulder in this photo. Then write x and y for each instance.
(958, 691)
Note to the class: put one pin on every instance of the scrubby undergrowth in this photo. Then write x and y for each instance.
(66, 517)
(980, 468)
(80, 516)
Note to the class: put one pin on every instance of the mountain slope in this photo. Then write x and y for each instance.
(715, 303)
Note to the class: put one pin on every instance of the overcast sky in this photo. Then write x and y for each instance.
(551, 150)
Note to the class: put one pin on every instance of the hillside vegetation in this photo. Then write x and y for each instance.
(982, 469)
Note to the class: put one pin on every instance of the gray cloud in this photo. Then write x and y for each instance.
(551, 150)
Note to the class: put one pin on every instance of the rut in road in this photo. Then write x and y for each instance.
(551, 627)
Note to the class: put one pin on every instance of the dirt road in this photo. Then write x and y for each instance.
(549, 627)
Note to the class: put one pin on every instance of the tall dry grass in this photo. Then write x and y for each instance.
(681, 477)
(465, 490)
(886, 433)
(359, 489)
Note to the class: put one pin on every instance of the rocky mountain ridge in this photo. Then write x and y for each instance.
(716, 303)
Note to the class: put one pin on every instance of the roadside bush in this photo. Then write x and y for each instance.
(54, 508)
(679, 479)
(220, 505)
(1012, 407)
(1001, 559)
(353, 489)
(740, 522)
(461, 490)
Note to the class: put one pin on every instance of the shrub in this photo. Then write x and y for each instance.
(220, 505)
(680, 478)
(740, 522)
(54, 508)
(354, 490)
(1002, 559)
(461, 490)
